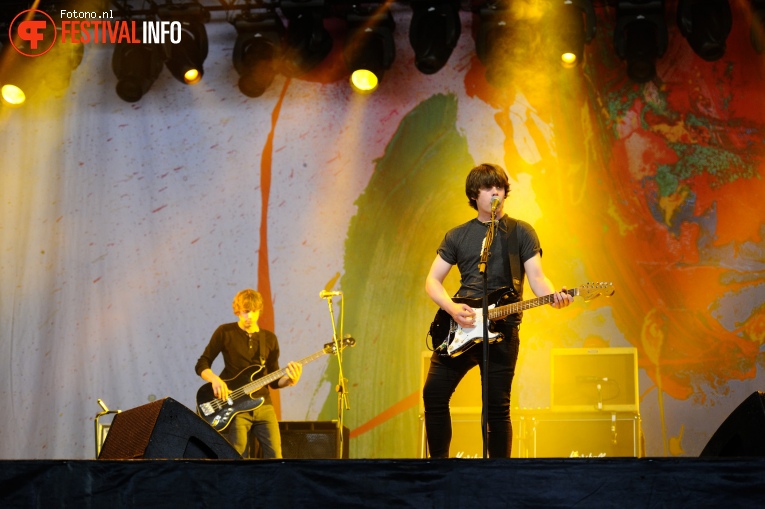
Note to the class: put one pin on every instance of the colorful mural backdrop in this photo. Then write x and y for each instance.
(127, 229)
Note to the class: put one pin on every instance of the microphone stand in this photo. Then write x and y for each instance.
(482, 268)
(342, 392)
(100, 428)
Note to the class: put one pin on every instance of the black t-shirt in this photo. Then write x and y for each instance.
(462, 247)
(239, 352)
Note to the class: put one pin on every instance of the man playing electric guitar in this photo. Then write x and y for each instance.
(244, 343)
(462, 247)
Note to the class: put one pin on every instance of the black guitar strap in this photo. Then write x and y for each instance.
(511, 248)
(262, 338)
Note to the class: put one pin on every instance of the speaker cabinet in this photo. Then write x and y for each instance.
(163, 429)
(313, 440)
(742, 434)
(589, 435)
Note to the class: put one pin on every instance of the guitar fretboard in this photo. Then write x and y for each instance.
(516, 307)
(261, 382)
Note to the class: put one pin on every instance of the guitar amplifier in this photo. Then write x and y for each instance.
(594, 380)
(588, 435)
(313, 440)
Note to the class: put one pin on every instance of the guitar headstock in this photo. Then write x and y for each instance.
(344, 343)
(589, 291)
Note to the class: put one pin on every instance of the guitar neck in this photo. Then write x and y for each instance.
(502, 311)
(262, 382)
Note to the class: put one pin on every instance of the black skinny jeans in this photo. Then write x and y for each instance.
(445, 374)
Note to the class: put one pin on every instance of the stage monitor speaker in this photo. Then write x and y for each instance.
(163, 429)
(742, 434)
(313, 440)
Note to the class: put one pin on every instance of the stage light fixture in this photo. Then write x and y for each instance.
(433, 33)
(186, 59)
(307, 42)
(257, 51)
(640, 36)
(574, 25)
(757, 27)
(369, 49)
(496, 39)
(25, 78)
(706, 25)
(137, 67)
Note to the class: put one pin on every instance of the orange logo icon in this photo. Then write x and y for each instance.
(32, 31)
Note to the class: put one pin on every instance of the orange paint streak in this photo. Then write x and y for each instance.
(264, 275)
(405, 404)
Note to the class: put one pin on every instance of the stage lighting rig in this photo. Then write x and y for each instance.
(186, 59)
(640, 36)
(137, 67)
(496, 42)
(258, 50)
(369, 49)
(307, 42)
(706, 25)
(23, 77)
(433, 33)
(575, 26)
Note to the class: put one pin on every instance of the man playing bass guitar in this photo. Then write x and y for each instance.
(243, 344)
(487, 185)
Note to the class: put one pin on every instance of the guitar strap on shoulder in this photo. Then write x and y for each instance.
(512, 250)
(262, 338)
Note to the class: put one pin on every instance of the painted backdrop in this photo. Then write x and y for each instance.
(126, 230)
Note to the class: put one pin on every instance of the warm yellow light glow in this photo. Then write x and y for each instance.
(568, 59)
(364, 81)
(192, 76)
(13, 95)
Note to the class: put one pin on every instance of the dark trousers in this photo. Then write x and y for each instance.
(260, 424)
(445, 374)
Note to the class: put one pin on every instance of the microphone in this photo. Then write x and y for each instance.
(324, 294)
(494, 203)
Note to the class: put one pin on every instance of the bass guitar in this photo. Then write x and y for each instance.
(503, 302)
(218, 412)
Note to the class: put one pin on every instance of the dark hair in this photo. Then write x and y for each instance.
(485, 176)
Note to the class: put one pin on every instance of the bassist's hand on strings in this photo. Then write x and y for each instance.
(220, 388)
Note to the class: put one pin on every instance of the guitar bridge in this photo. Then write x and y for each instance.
(206, 408)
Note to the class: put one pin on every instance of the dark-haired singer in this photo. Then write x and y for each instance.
(461, 247)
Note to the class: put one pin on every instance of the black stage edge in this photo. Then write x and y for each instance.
(457, 483)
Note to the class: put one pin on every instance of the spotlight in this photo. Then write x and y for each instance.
(24, 78)
(308, 42)
(433, 33)
(137, 67)
(496, 41)
(187, 58)
(757, 27)
(369, 50)
(640, 36)
(706, 25)
(575, 26)
(257, 51)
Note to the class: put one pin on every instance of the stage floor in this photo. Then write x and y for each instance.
(548, 483)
